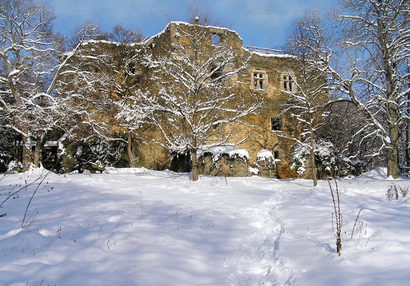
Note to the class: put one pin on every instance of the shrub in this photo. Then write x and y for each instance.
(329, 162)
(224, 161)
(266, 165)
(396, 192)
(93, 155)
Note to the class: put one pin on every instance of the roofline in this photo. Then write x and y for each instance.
(149, 39)
(268, 52)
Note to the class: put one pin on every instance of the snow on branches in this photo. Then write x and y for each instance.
(378, 82)
(197, 105)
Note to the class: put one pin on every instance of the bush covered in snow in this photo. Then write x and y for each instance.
(329, 162)
(265, 162)
(94, 155)
(224, 161)
(7, 139)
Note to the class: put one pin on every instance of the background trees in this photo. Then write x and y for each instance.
(44, 88)
(375, 38)
(29, 53)
(367, 67)
(99, 76)
(195, 102)
(197, 14)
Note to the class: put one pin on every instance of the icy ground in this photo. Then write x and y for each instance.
(140, 227)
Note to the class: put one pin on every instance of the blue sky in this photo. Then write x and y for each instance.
(260, 23)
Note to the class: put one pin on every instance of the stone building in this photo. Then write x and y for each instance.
(267, 73)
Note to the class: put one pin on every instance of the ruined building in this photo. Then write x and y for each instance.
(267, 73)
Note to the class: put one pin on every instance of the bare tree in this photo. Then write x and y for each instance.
(374, 47)
(308, 93)
(121, 35)
(346, 127)
(134, 112)
(131, 110)
(101, 76)
(200, 15)
(406, 127)
(197, 106)
(376, 39)
(125, 60)
(30, 66)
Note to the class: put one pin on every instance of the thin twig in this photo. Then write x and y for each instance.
(19, 190)
(355, 222)
(338, 215)
(32, 196)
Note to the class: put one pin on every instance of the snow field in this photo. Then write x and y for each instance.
(140, 227)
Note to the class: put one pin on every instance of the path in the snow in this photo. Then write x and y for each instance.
(257, 260)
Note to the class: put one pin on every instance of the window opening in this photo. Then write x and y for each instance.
(131, 68)
(275, 124)
(258, 80)
(215, 39)
(288, 83)
(216, 73)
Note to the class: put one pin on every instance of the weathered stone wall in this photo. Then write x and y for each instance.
(261, 136)
(258, 131)
(224, 166)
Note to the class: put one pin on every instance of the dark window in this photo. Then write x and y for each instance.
(275, 124)
(288, 82)
(216, 73)
(258, 80)
(131, 68)
(276, 154)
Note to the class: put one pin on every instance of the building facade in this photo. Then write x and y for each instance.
(267, 74)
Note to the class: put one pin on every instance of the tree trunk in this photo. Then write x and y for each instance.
(313, 161)
(407, 145)
(393, 153)
(37, 152)
(194, 165)
(392, 162)
(38, 149)
(27, 153)
(129, 151)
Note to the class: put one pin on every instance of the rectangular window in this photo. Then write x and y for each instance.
(215, 38)
(275, 124)
(276, 154)
(288, 83)
(259, 80)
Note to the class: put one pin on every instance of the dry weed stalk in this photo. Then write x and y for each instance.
(337, 218)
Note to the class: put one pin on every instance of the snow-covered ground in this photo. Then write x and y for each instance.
(140, 227)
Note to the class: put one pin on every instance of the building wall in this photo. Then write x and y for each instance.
(272, 67)
(265, 75)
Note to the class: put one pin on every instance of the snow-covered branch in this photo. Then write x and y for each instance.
(198, 105)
